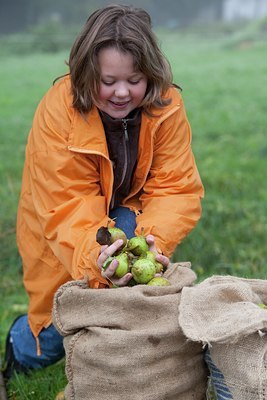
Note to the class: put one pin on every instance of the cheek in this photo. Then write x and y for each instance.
(141, 91)
(104, 93)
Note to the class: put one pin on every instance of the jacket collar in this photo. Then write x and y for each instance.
(115, 124)
(87, 131)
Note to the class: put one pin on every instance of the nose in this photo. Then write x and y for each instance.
(121, 90)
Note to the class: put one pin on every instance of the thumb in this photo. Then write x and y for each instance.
(151, 243)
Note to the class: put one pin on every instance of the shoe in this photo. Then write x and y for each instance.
(11, 365)
(60, 396)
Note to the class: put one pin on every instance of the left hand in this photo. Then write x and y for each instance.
(108, 273)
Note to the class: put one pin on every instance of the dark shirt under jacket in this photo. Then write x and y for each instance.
(122, 135)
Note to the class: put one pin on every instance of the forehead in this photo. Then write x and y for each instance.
(113, 61)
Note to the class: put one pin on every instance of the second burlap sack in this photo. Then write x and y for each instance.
(126, 343)
(227, 314)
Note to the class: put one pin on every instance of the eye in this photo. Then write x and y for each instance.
(107, 83)
(134, 82)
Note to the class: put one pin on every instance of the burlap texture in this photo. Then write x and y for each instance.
(223, 312)
(126, 343)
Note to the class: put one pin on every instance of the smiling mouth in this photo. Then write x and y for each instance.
(125, 103)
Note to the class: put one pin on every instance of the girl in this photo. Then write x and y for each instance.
(109, 140)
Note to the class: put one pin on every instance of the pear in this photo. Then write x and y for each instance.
(159, 267)
(107, 263)
(149, 255)
(137, 245)
(116, 234)
(107, 236)
(123, 266)
(159, 281)
(103, 236)
(263, 306)
(143, 270)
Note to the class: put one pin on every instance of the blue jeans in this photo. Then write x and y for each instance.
(51, 342)
(216, 381)
(125, 219)
(24, 344)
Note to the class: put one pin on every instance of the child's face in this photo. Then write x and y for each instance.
(122, 89)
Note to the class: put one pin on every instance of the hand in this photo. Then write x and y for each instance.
(108, 273)
(159, 257)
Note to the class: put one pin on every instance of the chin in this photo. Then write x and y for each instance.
(118, 114)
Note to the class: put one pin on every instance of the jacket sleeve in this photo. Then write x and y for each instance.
(171, 199)
(65, 191)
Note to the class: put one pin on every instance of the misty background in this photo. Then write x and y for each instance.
(54, 24)
(20, 15)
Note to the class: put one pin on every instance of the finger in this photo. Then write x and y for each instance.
(150, 239)
(122, 281)
(103, 248)
(110, 271)
(151, 243)
(108, 251)
(152, 247)
(165, 261)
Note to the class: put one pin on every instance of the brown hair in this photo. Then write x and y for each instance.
(129, 30)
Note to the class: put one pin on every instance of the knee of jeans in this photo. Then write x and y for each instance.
(25, 345)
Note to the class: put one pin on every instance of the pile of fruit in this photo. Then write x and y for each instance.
(133, 256)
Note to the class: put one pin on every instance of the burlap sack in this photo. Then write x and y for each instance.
(126, 343)
(223, 313)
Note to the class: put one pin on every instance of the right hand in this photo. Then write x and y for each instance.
(108, 273)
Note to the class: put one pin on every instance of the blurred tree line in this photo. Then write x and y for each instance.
(21, 15)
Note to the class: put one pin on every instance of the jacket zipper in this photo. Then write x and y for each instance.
(126, 152)
(124, 124)
(141, 184)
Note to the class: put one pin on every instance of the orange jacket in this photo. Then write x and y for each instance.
(67, 187)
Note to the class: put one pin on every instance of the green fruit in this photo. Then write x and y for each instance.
(149, 255)
(159, 267)
(137, 245)
(123, 266)
(143, 270)
(116, 234)
(159, 281)
(107, 262)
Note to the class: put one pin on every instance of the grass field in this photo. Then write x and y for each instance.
(224, 80)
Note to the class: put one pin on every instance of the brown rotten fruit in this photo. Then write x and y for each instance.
(107, 236)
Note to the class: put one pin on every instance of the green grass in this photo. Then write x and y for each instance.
(224, 80)
(224, 90)
(23, 81)
(39, 385)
